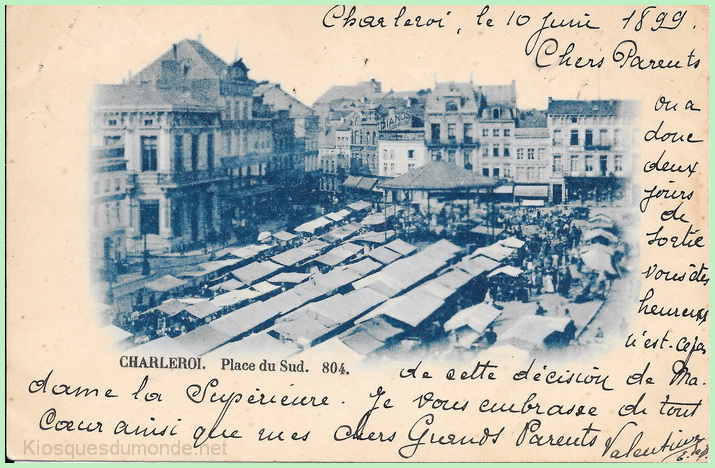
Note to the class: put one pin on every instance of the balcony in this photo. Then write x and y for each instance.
(588, 147)
(177, 178)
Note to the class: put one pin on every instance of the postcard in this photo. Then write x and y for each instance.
(339, 233)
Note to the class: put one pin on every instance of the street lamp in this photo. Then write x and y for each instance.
(146, 268)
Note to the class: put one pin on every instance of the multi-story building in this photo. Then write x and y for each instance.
(451, 121)
(496, 132)
(108, 208)
(366, 112)
(591, 148)
(302, 139)
(531, 159)
(347, 98)
(198, 145)
(573, 150)
(401, 150)
(363, 147)
(334, 156)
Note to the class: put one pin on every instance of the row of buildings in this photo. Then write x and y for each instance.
(190, 147)
(185, 148)
(572, 149)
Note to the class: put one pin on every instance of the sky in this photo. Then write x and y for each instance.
(290, 45)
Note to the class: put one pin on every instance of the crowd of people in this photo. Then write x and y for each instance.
(550, 259)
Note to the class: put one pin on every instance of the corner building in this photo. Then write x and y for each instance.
(198, 146)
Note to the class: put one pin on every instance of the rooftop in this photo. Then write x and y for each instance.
(438, 175)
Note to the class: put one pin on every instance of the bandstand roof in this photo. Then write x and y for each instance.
(438, 175)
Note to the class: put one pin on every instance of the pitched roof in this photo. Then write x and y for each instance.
(499, 94)
(276, 97)
(198, 61)
(578, 107)
(356, 92)
(136, 95)
(438, 175)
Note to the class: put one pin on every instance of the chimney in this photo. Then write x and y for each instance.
(169, 73)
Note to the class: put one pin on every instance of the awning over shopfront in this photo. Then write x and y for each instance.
(531, 191)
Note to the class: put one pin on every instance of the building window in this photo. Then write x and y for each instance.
(410, 154)
(557, 138)
(485, 151)
(178, 153)
(589, 163)
(603, 164)
(495, 132)
(603, 136)
(392, 168)
(618, 163)
(574, 163)
(574, 137)
(574, 119)
(117, 214)
(495, 172)
(392, 154)
(530, 153)
(519, 173)
(468, 133)
(450, 156)
(507, 132)
(507, 172)
(496, 113)
(495, 151)
(117, 185)
(148, 122)
(149, 153)
(436, 155)
(435, 132)
(485, 132)
(507, 151)
(485, 171)
(531, 173)
(617, 137)
(149, 217)
(520, 153)
(557, 166)
(451, 106)
(210, 156)
(410, 166)
(112, 122)
(588, 138)
(451, 132)
(107, 220)
(177, 218)
(194, 152)
(384, 168)
(540, 153)
(112, 140)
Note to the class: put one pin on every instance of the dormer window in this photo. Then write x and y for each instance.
(451, 106)
(495, 113)
(148, 122)
(112, 122)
